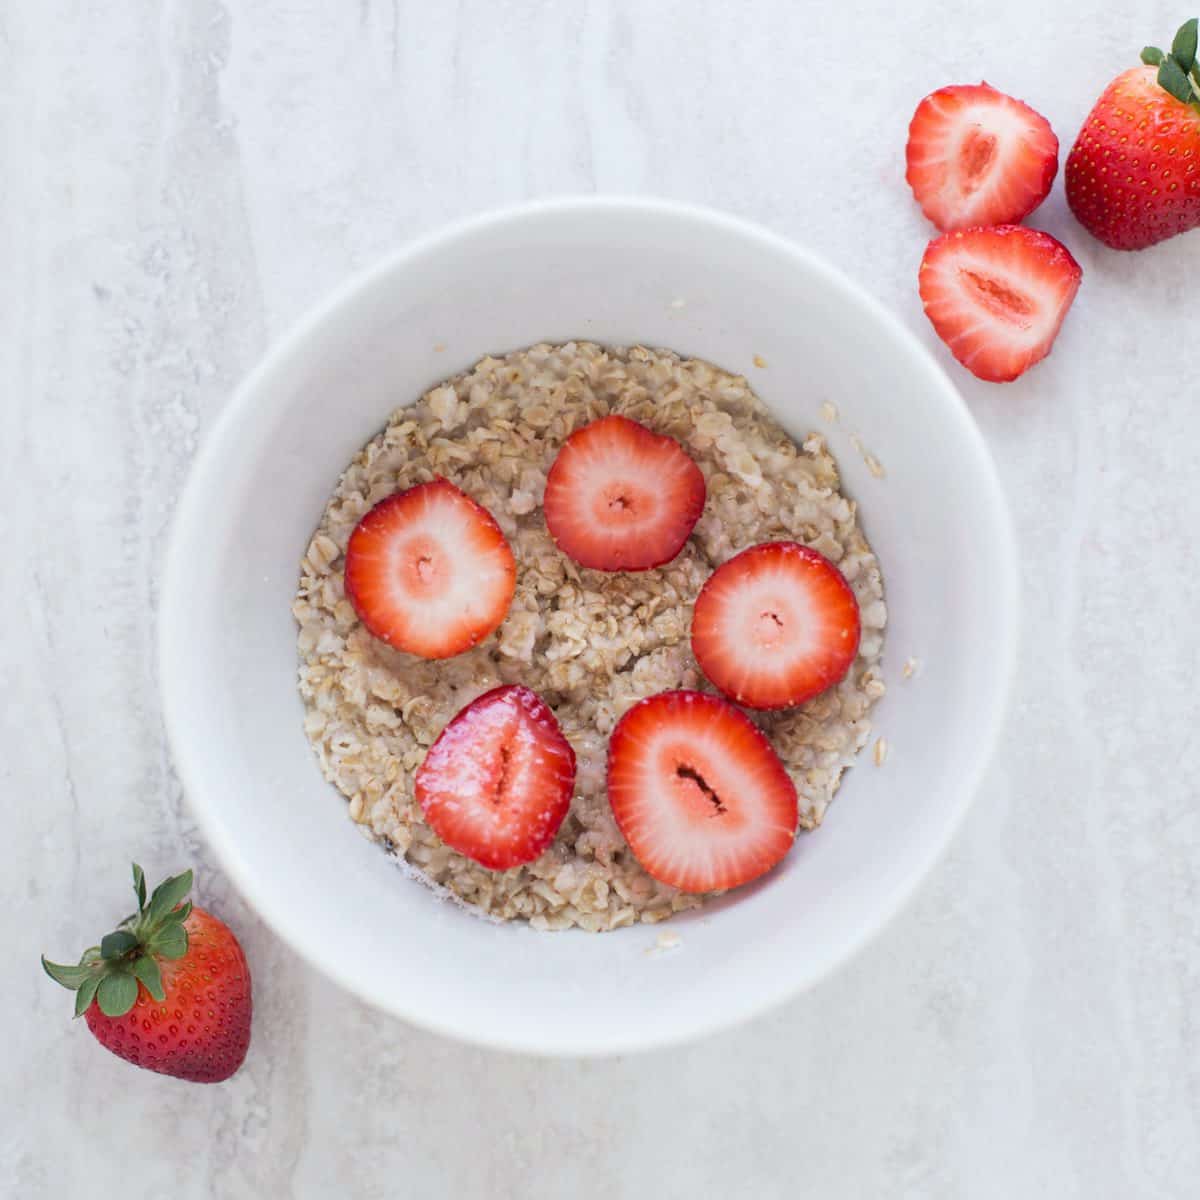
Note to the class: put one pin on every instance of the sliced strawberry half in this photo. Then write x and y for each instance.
(429, 571)
(497, 783)
(698, 792)
(998, 296)
(622, 498)
(775, 625)
(978, 157)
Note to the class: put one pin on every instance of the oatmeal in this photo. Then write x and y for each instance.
(591, 643)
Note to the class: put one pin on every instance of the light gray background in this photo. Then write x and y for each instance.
(180, 181)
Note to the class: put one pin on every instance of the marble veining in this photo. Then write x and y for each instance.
(182, 179)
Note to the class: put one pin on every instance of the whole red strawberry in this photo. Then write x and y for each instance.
(168, 989)
(1133, 175)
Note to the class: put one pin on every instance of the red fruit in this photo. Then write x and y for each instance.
(978, 157)
(997, 297)
(497, 783)
(429, 571)
(775, 625)
(698, 792)
(621, 498)
(1133, 175)
(168, 990)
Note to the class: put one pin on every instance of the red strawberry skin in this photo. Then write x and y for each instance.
(201, 1031)
(978, 157)
(620, 497)
(497, 782)
(1133, 175)
(429, 571)
(998, 296)
(775, 626)
(698, 792)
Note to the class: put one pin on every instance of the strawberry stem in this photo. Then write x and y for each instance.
(110, 973)
(1178, 70)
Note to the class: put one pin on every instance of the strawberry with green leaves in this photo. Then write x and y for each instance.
(168, 989)
(1133, 175)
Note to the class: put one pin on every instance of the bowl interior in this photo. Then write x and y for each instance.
(615, 273)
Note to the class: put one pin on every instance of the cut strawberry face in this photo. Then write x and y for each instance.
(698, 792)
(775, 625)
(622, 498)
(429, 571)
(978, 157)
(497, 783)
(997, 297)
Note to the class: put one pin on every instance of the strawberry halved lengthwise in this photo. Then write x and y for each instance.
(620, 497)
(997, 296)
(698, 792)
(497, 782)
(978, 157)
(429, 571)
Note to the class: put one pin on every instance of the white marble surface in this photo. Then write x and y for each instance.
(180, 181)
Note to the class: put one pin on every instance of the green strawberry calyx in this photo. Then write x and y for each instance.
(1178, 70)
(110, 972)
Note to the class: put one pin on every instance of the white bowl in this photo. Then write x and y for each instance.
(621, 272)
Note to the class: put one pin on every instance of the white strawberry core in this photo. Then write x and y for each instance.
(769, 629)
(692, 785)
(1002, 299)
(694, 793)
(440, 569)
(776, 622)
(619, 503)
(976, 154)
(424, 569)
(623, 503)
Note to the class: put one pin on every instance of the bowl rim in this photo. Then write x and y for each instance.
(206, 464)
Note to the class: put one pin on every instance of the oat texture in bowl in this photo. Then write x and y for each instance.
(592, 643)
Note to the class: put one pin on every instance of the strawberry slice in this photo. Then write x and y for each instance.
(997, 297)
(775, 625)
(698, 792)
(621, 498)
(429, 571)
(497, 783)
(978, 157)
